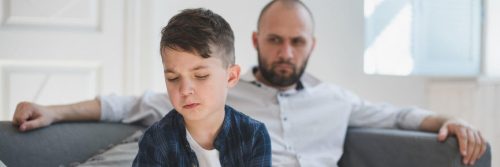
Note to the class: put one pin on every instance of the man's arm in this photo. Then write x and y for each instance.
(472, 145)
(144, 110)
(30, 116)
(364, 114)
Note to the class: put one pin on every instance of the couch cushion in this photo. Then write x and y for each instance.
(118, 155)
(58, 145)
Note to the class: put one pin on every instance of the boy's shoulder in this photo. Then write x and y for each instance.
(243, 120)
(172, 118)
(244, 129)
(169, 125)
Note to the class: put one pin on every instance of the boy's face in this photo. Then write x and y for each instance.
(197, 86)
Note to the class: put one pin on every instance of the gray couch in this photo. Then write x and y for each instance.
(65, 143)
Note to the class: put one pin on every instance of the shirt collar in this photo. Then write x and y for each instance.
(221, 138)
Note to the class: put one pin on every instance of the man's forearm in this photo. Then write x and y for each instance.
(433, 123)
(89, 110)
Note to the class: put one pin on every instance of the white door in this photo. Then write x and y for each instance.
(60, 51)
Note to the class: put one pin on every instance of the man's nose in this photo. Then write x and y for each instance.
(286, 51)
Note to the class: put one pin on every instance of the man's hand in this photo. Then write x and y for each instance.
(30, 116)
(472, 145)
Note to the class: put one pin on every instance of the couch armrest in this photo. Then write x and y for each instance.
(59, 144)
(389, 147)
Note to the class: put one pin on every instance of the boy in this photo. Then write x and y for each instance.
(197, 48)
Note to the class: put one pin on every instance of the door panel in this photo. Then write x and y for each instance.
(59, 51)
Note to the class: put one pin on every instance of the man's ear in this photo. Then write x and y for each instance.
(255, 40)
(314, 44)
(234, 75)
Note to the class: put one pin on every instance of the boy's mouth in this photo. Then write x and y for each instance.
(190, 105)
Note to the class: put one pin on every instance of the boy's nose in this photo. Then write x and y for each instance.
(187, 92)
(186, 88)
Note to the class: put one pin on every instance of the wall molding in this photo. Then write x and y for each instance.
(88, 17)
(132, 52)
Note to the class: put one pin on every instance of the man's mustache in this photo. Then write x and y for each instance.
(287, 62)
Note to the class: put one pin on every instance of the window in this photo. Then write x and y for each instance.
(423, 37)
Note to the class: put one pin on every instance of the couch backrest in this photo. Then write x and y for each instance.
(60, 144)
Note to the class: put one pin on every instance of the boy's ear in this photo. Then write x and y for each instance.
(234, 75)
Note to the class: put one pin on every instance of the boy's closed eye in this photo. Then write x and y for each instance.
(172, 78)
(201, 76)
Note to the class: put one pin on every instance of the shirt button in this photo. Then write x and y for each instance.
(285, 118)
(283, 95)
(289, 147)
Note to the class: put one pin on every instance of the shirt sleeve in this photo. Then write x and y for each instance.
(261, 153)
(367, 114)
(144, 110)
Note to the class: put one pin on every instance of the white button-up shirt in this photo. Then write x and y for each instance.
(307, 126)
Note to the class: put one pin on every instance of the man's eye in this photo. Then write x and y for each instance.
(298, 42)
(274, 40)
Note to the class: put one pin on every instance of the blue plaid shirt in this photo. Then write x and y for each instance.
(242, 141)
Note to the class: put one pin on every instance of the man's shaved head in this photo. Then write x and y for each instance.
(286, 3)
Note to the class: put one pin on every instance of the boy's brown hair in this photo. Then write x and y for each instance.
(199, 31)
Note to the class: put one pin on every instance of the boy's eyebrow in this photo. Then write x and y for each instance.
(199, 67)
(193, 69)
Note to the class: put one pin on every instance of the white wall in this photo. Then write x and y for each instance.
(492, 38)
(338, 57)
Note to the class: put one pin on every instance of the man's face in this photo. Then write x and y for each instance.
(284, 43)
(197, 86)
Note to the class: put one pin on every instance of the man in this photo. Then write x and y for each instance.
(307, 119)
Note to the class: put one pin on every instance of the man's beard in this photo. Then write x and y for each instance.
(277, 79)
